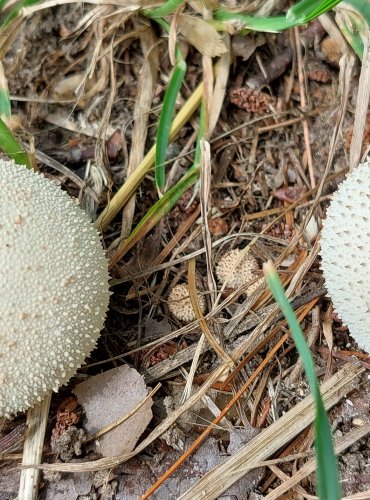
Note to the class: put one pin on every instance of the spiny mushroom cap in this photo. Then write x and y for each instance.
(237, 275)
(53, 287)
(345, 252)
(180, 306)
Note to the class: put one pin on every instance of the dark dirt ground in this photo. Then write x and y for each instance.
(252, 174)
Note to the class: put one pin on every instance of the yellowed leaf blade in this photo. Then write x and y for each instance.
(201, 35)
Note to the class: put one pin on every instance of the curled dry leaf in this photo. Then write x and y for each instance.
(201, 35)
(120, 390)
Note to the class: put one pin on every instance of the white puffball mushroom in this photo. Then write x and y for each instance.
(54, 289)
(237, 275)
(345, 252)
(180, 305)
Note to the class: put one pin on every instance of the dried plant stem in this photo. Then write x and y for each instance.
(37, 418)
(363, 96)
(210, 428)
(340, 445)
(220, 478)
(306, 131)
(129, 187)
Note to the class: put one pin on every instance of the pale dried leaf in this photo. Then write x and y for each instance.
(327, 327)
(219, 90)
(108, 397)
(201, 35)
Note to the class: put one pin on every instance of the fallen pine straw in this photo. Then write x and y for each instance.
(106, 463)
(220, 478)
(341, 444)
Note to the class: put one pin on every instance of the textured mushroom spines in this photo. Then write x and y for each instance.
(235, 274)
(53, 287)
(345, 252)
(180, 305)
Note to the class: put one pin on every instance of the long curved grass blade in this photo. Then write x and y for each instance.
(267, 24)
(200, 136)
(327, 472)
(11, 147)
(165, 9)
(15, 11)
(155, 213)
(132, 182)
(298, 14)
(5, 107)
(304, 11)
(165, 121)
(362, 7)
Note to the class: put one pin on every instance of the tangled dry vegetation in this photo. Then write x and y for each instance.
(87, 83)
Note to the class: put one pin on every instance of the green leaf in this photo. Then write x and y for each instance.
(298, 14)
(15, 10)
(363, 7)
(165, 121)
(155, 213)
(327, 471)
(165, 9)
(10, 146)
(304, 11)
(267, 24)
(5, 107)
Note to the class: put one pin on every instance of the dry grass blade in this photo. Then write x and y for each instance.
(37, 419)
(125, 417)
(215, 482)
(62, 169)
(205, 191)
(148, 77)
(106, 463)
(202, 322)
(219, 90)
(362, 103)
(364, 495)
(12, 440)
(213, 424)
(302, 92)
(341, 444)
(129, 187)
(201, 35)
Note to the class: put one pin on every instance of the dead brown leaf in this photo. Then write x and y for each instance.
(106, 398)
(201, 35)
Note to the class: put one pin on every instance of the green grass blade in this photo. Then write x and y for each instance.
(298, 14)
(155, 213)
(165, 121)
(165, 9)
(304, 11)
(200, 136)
(11, 147)
(14, 12)
(351, 29)
(267, 24)
(5, 108)
(362, 7)
(327, 472)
